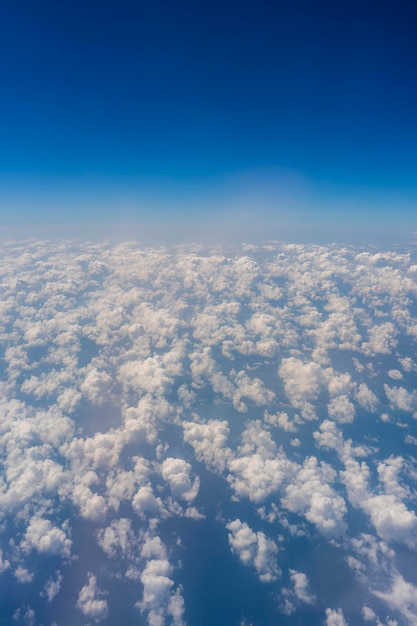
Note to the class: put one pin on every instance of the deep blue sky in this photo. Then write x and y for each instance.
(121, 109)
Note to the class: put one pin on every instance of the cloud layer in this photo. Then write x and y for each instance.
(143, 388)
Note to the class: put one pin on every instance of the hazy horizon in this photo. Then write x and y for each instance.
(288, 117)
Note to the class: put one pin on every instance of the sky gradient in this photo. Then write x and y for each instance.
(141, 115)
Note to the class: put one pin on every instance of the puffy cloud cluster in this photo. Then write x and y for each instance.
(335, 617)
(53, 587)
(47, 539)
(402, 597)
(298, 593)
(254, 549)
(310, 492)
(136, 381)
(391, 518)
(91, 602)
(208, 441)
(177, 473)
(301, 587)
(302, 384)
(158, 598)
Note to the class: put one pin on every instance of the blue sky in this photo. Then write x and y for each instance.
(132, 115)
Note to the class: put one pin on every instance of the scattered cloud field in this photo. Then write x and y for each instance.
(189, 434)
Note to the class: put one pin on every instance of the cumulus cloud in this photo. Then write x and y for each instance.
(26, 615)
(302, 383)
(329, 436)
(282, 420)
(45, 538)
(160, 597)
(252, 389)
(335, 617)
(53, 586)
(23, 575)
(311, 493)
(96, 386)
(393, 521)
(301, 587)
(118, 538)
(156, 588)
(366, 398)
(256, 478)
(209, 442)
(177, 473)
(298, 593)
(368, 614)
(395, 374)
(131, 375)
(4, 563)
(381, 339)
(400, 398)
(254, 550)
(91, 602)
(341, 409)
(402, 597)
(145, 501)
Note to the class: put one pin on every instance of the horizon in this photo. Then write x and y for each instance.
(129, 116)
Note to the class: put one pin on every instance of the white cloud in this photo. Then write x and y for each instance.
(366, 398)
(298, 593)
(310, 493)
(259, 470)
(252, 389)
(381, 339)
(209, 442)
(118, 538)
(148, 376)
(91, 505)
(400, 398)
(395, 374)
(329, 436)
(407, 363)
(335, 617)
(145, 502)
(28, 616)
(302, 383)
(302, 587)
(389, 474)
(368, 614)
(341, 409)
(110, 351)
(97, 386)
(280, 419)
(91, 602)
(4, 563)
(23, 575)
(159, 598)
(402, 597)
(389, 515)
(254, 550)
(53, 586)
(46, 539)
(176, 608)
(256, 477)
(177, 473)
